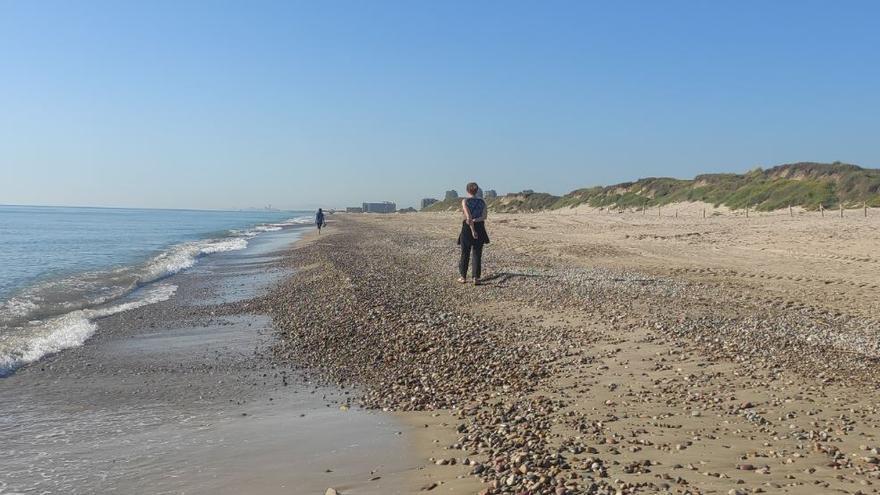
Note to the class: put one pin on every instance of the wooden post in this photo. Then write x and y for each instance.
(676, 213)
(841, 210)
(658, 210)
(704, 213)
(865, 206)
(790, 212)
(645, 208)
(822, 210)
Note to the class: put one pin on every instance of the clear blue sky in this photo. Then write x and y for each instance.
(218, 105)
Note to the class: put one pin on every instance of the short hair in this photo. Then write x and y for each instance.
(472, 188)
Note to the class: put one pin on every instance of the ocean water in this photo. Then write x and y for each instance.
(61, 268)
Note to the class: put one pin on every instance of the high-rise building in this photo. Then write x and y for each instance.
(490, 194)
(383, 207)
(426, 202)
(452, 194)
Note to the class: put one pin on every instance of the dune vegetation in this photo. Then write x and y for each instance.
(805, 184)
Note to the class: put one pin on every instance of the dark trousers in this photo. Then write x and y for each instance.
(470, 247)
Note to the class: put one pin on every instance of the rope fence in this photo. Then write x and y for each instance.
(661, 210)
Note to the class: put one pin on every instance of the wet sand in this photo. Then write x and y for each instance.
(182, 397)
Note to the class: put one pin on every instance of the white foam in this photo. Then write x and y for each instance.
(17, 307)
(22, 343)
(271, 227)
(184, 256)
(59, 333)
(69, 293)
(208, 247)
(68, 330)
(299, 220)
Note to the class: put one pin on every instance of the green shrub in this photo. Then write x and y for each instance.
(804, 184)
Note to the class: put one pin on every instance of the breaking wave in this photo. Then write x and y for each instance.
(57, 314)
(31, 342)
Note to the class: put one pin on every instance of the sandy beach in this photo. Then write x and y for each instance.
(607, 353)
(231, 237)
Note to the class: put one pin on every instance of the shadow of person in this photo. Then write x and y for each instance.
(502, 277)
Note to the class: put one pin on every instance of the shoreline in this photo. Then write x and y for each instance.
(52, 297)
(182, 396)
(602, 356)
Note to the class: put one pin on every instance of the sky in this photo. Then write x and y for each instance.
(188, 104)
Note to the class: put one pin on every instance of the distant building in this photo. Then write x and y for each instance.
(452, 194)
(428, 202)
(383, 207)
(354, 209)
(407, 210)
(490, 194)
(526, 192)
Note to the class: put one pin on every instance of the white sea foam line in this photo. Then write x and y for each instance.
(169, 262)
(296, 221)
(270, 227)
(70, 330)
(174, 260)
(184, 256)
(16, 307)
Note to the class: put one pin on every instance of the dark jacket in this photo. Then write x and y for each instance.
(467, 235)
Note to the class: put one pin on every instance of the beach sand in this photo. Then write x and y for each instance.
(608, 352)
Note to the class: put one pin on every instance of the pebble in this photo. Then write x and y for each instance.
(375, 311)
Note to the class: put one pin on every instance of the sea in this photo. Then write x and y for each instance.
(62, 268)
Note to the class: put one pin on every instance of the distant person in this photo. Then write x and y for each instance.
(319, 219)
(473, 233)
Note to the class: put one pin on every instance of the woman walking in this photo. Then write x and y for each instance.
(319, 219)
(473, 234)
